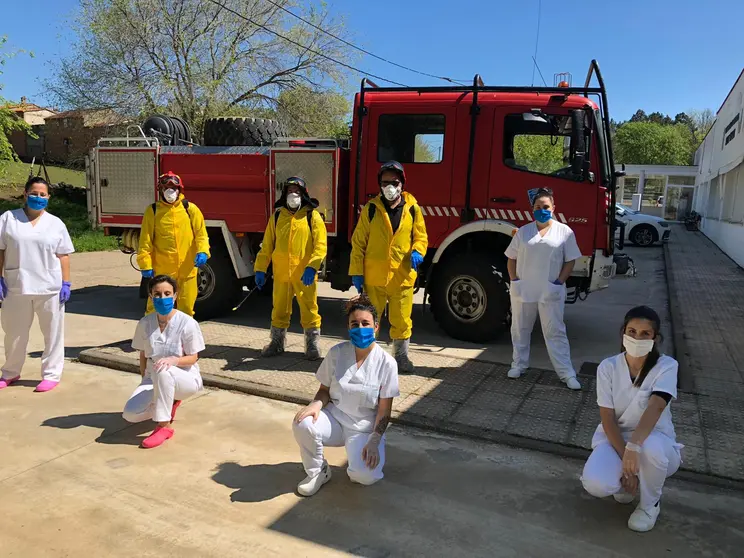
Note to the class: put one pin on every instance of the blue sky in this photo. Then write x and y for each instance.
(659, 55)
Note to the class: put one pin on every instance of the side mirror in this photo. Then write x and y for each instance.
(578, 143)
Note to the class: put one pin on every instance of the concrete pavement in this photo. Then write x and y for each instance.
(74, 483)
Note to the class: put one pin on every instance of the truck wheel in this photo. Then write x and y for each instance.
(470, 298)
(643, 235)
(219, 290)
(238, 131)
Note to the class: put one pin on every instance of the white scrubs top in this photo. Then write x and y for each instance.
(31, 263)
(540, 260)
(182, 336)
(615, 390)
(355, 392)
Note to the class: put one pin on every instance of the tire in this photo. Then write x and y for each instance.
(470, 297)
(643, 235)
(170, 130)
(219, 289)
(237, 131)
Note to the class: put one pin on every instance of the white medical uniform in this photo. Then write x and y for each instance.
(349, 419)
(539, 263)
(154, 397)
(33, 274)
(660, 455)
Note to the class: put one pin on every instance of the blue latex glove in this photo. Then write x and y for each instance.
(308, 276)
(3, 289)
(260, 279)
(358, 282)
(147, 273)
(557, 282)
(64, 293)
(416, 260)
(201, 259)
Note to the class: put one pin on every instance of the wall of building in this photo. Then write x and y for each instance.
(720, 178)
(68, 141)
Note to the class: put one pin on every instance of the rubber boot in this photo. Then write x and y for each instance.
(400, 352)
(277, 343)
(312, 350)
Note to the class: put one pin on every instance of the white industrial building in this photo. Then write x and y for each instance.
(720, 179)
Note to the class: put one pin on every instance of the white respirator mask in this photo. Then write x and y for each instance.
(293, 201)
(637, 347)
(170, 195)
(391, 192)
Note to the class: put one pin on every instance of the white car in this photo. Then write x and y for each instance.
(642, 229)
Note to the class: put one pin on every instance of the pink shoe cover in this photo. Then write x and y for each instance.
(6, 383)
(158, 436)
(46, 385)
(176, 405)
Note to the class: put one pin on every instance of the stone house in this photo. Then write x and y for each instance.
(70, 135)
(24, 145)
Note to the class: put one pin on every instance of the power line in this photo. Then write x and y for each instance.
(538, 69)
(305, 47)
(360, 49)
(537, 40)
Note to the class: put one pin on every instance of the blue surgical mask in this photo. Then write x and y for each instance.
(362, 337)
(543, 215)
(37, 203)
(163, 306)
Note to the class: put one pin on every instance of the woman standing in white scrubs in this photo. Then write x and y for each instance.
(35, 250)
(635, 447)
(169, 343)
(358, 381)
(541, 257)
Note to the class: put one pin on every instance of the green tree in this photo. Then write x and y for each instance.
(313, 113)
(8, 120)
(649, 143)
(542, 154)
(195, 58)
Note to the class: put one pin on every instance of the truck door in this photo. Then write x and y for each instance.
(533, 149)
(421, 137)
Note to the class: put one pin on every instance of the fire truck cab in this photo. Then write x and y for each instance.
(471, 153)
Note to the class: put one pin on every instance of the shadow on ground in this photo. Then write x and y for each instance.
(115, 430)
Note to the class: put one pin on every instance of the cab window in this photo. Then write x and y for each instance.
(410, 138)
(540, 143)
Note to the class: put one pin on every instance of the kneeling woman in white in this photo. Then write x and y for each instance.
(635, 448)
(352, 407)
(169, 343)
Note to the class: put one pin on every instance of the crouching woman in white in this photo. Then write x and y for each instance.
(169, 343)
(634, 447)
(352, 407)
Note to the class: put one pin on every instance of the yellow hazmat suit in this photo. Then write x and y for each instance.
(289, 245)
(168, 243)
(384, 259)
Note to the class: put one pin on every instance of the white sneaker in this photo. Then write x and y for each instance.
(311, 485)
(623, 497)
(514, 373)
(644, 520)
(572, 383)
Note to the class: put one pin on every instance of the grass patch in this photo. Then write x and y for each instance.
(75, 216)
(15, 174)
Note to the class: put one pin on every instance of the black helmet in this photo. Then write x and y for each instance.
(300, 183)
(394, 166)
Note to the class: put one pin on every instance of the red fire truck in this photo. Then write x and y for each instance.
(471, 155)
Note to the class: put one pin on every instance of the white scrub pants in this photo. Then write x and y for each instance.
(524, 315)
(153, 399)
(17, 316)
(660, 459)
(327, 431)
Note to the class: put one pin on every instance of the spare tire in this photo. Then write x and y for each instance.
(235, 131)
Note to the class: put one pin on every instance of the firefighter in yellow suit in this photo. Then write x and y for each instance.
(387, 248)
(173, 241)
(295, 242)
